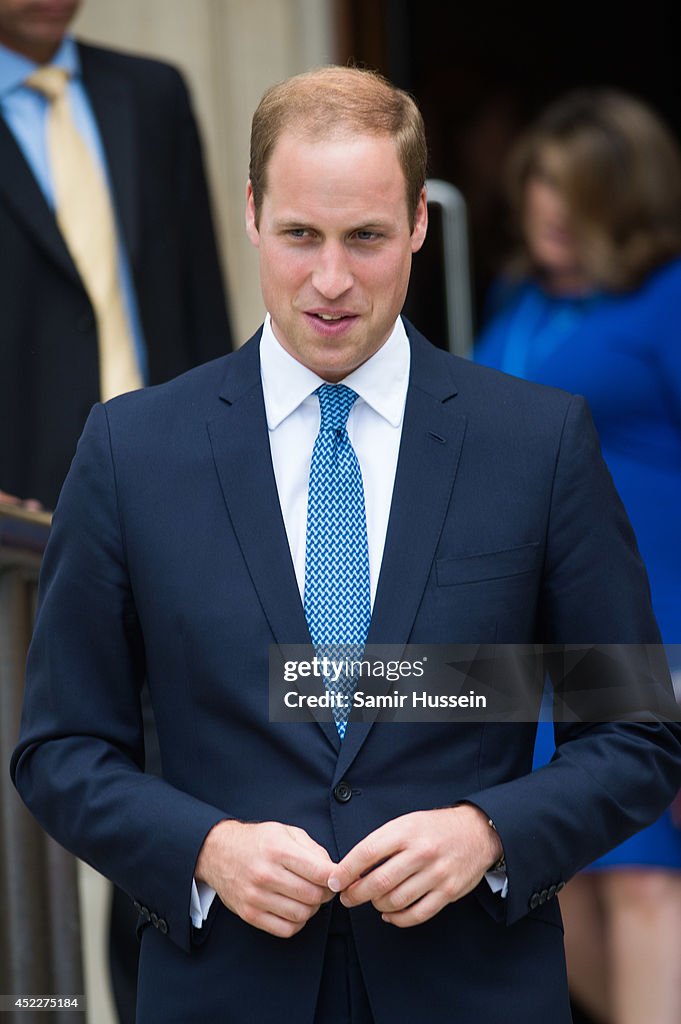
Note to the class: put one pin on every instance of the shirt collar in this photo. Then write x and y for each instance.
(15, 68)
(382, 381)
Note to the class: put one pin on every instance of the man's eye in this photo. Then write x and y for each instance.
(366, 236)
(298, 233)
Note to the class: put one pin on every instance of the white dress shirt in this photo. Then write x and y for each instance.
(375, 430)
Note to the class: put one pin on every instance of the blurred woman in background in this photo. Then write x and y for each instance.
(591, 303)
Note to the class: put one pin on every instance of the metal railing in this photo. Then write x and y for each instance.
(439, 299)
(40, 947)
(456, 264)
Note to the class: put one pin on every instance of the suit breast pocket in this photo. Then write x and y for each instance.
(488, 597)
(487, 566)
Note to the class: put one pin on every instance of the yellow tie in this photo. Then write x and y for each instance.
(86, 221)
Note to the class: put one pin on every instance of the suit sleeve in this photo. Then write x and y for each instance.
(606, 781)
(211, 335)
(78, 764)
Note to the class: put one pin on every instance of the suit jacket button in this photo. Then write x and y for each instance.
(560, 886)
(154, 920)
(534, 900)
(552, 891)
(137, 905)
(543, 895)
(162, 926)
(144, 911)
(342, 792)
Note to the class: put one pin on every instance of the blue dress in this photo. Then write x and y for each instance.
(623, 353)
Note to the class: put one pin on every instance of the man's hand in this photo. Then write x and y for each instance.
(412, 867)
(272, 875)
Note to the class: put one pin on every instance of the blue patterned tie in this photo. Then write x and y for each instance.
(337, 595)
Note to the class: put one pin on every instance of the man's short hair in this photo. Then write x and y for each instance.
(339, 102)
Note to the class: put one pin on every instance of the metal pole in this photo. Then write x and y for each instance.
(456, 264)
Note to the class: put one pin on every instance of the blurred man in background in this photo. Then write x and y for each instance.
(109, 271)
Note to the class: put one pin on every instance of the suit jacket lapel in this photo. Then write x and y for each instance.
(432, 438)
(241, 450)
(112, 102)
(110, 95)
(23, 196)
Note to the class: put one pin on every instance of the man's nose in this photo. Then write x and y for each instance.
(332, 276)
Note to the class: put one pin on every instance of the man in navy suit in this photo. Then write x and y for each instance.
(178, 553)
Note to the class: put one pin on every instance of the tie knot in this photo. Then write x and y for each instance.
(50, 81)
(335, 403)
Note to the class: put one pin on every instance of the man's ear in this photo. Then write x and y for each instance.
(251, 227)
(418, 235)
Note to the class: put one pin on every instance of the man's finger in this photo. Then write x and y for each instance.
(295, 887)
(380, 881)
(367, 854)
(418, 912)
(313, 868)
(282, 906)
(274, 925)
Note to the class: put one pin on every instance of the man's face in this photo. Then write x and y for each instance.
(335, 247)
(35, 27)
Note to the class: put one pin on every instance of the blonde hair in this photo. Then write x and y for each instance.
(618, 168)
(334, 102)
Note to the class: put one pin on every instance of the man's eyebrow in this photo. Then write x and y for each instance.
(293, 222)
(288, 222)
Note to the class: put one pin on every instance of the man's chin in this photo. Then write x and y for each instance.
(332, 372)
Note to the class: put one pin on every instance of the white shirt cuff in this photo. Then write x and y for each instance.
(498, 882)
(202, 899)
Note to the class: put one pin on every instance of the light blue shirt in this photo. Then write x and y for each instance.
(25, 112)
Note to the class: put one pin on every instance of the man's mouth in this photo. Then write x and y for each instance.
(329, 317)
(331, 324)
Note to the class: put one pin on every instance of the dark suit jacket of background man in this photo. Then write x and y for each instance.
(169, 557)
(48, 345)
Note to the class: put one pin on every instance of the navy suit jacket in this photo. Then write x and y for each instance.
(169, 558)
(49, 369)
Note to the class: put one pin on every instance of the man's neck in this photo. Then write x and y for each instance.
(39, 52)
